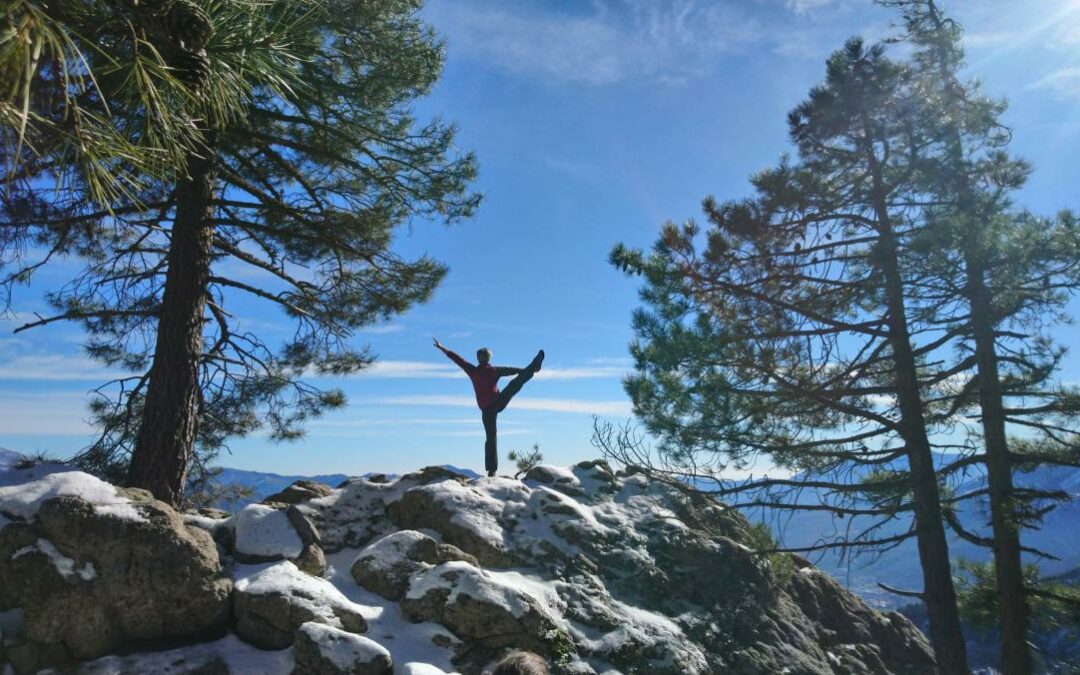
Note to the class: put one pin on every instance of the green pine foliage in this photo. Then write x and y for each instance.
(525, 460)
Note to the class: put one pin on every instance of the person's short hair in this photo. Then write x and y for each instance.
(483, 354)
(521, 663)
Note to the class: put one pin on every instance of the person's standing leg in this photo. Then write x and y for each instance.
(491, 453)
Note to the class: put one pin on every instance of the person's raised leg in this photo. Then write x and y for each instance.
(491, 452)
(515, 385)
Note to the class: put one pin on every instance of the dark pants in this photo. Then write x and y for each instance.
(489, 413)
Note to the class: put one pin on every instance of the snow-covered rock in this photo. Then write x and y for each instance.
(270, 602)
(23, 491)
(265, 532)
(261, 533)
(483, 610)
(599, 572)
(387, 565)
(324, 650)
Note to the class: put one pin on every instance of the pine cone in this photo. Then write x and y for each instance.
(188, 25)
(192, 68)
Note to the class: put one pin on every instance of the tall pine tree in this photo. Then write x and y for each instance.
(790, 333)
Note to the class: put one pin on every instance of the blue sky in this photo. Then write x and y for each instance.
(594, 122)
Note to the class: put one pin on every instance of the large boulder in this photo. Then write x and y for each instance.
(325, 650)
(274, 601)
(92, 578)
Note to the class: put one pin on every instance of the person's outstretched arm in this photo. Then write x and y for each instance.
(462, 363)
(506, 371)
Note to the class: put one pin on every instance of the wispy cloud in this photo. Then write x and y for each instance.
(383, 329)
(53, 367)
(1064, 82)
(439, 370)
(410, 369)
(806, 6)
(559, 405)
(610, 41)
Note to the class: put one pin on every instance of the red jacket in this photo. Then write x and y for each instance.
(485, 378)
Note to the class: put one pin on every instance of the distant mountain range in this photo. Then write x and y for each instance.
(899, 567)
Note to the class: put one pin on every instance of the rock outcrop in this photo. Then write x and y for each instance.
(595, 570)
(267, 533)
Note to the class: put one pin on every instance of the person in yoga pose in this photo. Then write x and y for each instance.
(485, 381)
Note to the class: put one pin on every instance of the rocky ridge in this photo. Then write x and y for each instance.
(432, 572)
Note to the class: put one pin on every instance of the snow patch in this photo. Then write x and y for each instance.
(461, 578)
(22, 492)
(414, 647)
(264, 531)
(317, 595)
(63, 564)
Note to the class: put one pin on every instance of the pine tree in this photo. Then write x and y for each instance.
(790, 334)
(291, 201)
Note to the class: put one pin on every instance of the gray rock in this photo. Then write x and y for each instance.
(92, 579)
(324, 650)
(305, 529)
(300, 491)
(312, 560)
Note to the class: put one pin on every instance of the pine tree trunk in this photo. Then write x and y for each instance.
(1008, 566)
(166, 439)
(939, 594)
(938, 591)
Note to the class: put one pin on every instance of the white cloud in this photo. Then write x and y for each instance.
(53, 414)
(662, 40)
(1065, 82)
(53, 367)
(440, 370)
(411, 369)
(560, 405)
(383, 329)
